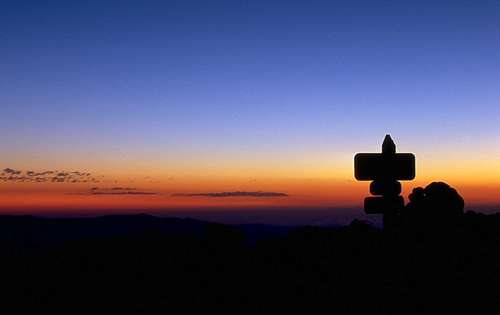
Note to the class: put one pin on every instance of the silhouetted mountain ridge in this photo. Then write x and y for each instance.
(28, 231)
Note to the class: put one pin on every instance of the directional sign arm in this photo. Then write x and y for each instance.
(376, 166)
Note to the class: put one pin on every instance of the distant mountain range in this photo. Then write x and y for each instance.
(31, 232)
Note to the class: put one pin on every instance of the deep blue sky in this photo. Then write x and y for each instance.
(246, 78)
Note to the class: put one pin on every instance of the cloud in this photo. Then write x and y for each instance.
(31, 173)
(11, 171)
(115, 191)
(12, 175)
(122, 188)
(235, 194)
(123, 193)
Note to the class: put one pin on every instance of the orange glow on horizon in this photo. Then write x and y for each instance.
(310, 181)
(333, 193)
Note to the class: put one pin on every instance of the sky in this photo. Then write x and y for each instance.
(137, 105)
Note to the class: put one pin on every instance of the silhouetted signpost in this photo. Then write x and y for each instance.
(384, 170)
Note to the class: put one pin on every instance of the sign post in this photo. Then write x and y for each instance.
(384, 170)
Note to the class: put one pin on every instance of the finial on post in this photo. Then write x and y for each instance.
(388, 146)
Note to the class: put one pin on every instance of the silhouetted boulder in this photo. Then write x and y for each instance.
(436, 203)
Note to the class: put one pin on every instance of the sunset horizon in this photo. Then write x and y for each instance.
(182, 102)
(249, 157)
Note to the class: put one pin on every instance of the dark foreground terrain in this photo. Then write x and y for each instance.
(148, 265)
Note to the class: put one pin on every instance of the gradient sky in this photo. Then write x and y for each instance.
(207, 96)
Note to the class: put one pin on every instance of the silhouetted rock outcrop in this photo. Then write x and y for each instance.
(437, 203)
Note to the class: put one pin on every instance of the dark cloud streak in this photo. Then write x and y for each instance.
(11, 171)
(114, 191)
(12, 175)
(123, 193)
(234, 194)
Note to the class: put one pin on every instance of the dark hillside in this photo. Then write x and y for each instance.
(148, 265)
